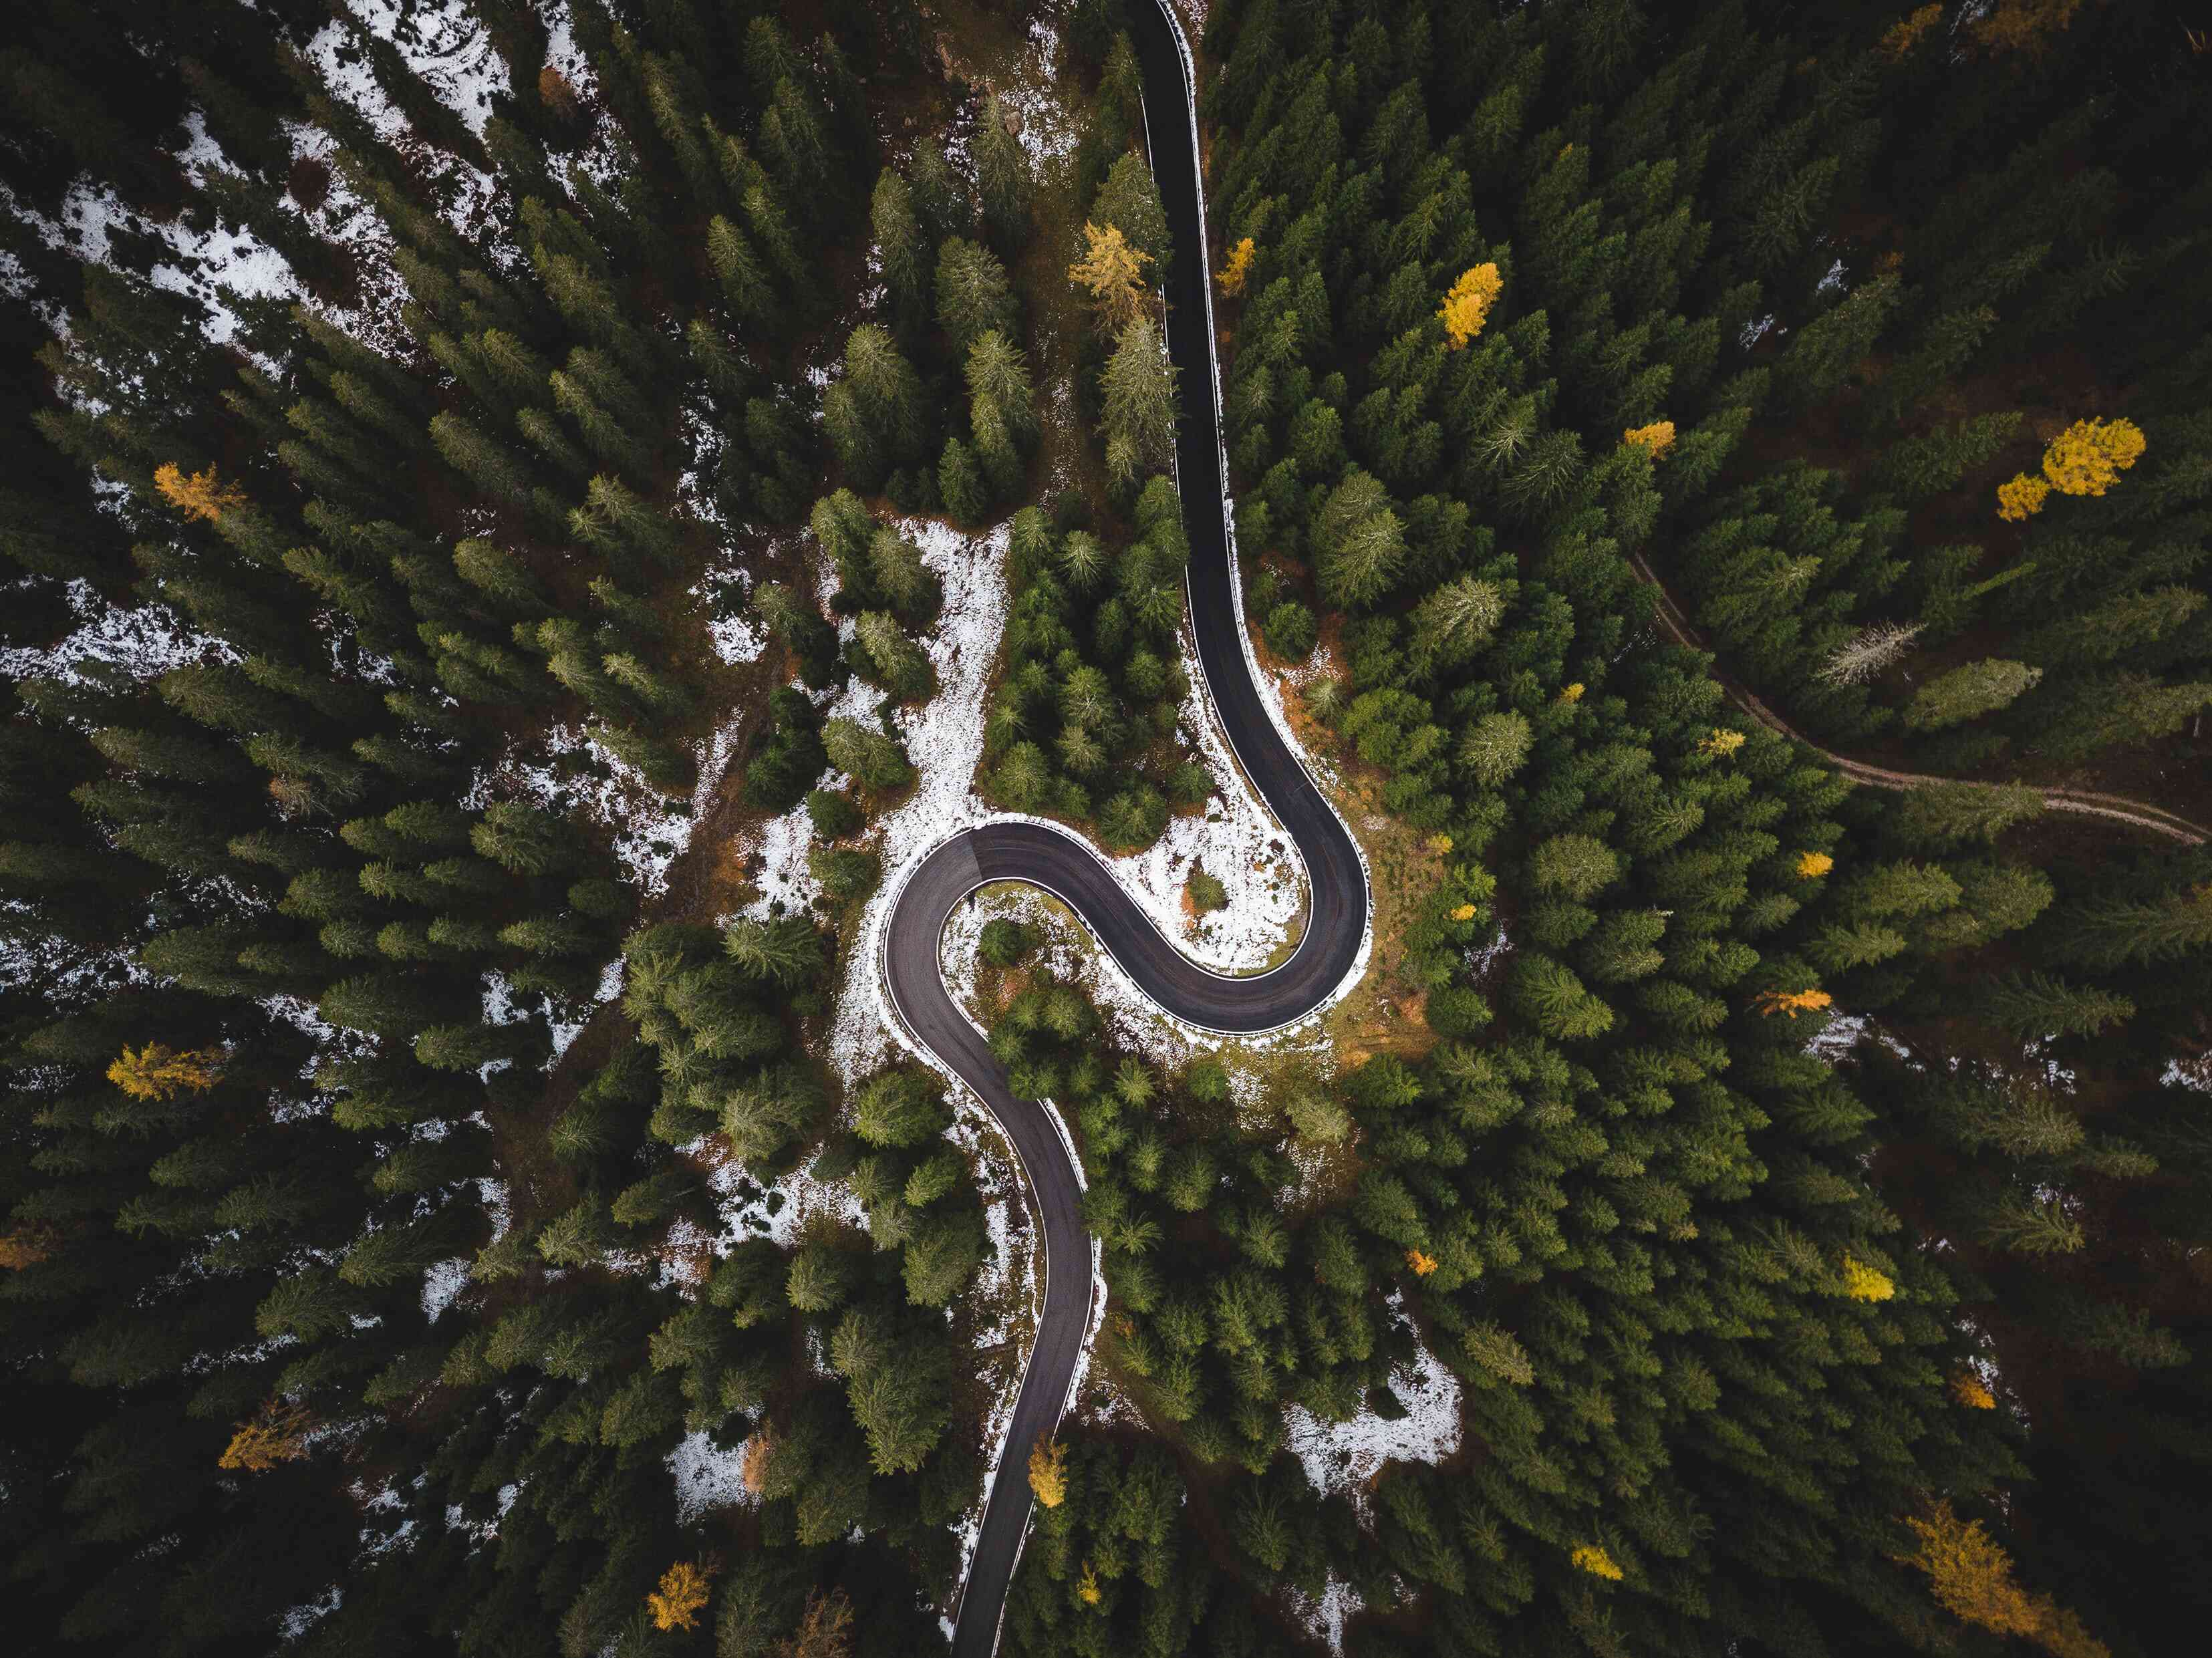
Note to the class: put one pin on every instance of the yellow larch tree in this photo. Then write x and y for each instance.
(1113, 273)
(1792, 1002)
(1236, 268)
(1865, 1283)
(1596, 1562)
(1971, 1391)
(1048, 1472)
(1086, 1587)
(2087, 457)
(1467, 307)
(159, 1072)
(278, 1433)
(1657, 437)
(2020, 497)
(1422, 1265)
(681, 1594)
(196, 494)
(1970, 1577)
(1463, 912)
(1721, 743)
(1571, 692)
(1811, 866)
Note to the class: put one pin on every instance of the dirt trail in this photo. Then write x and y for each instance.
(2138, 814)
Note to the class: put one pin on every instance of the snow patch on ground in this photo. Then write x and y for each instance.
(298, 1620)
(449, 50)
(1342, 1456)
(452, 54)
(1035, 103)
(707, 1476)
(442, 1281)
(493, 1196)
(783, 1212)
(1324, 1619)
(1239, 843)
(1839, 1039)
(566, 771)
(785, 883)
(140, 642)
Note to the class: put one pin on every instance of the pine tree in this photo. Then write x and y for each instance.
(1112, 272)
(1129, 201)
(1969, 692)
(1138, 384)
(877, 762)
(974, 297)
(1359, 542)
(901, 249)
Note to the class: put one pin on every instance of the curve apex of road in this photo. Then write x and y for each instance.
(1330, 953)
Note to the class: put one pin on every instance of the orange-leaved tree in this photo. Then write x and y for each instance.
(1049, 1472)
(2020, 497)
(1792, 1002)
(27, 1245)
(159, 1072)
(1907, 32)
(681, 1595)
(196, 494)
(278, 1434)
(1970, 1575)
(1236, 268)
(2087, 457)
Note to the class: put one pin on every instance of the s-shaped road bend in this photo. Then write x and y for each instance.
(1338, 906)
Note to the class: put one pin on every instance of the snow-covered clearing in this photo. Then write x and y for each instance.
(443, 1280)
(707, 1476)
(1343, 1457)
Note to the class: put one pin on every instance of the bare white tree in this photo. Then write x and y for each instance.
(1868, 652)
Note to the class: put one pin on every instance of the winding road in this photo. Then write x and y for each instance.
(1054, 859)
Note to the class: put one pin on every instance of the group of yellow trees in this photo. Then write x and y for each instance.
(2085, 459)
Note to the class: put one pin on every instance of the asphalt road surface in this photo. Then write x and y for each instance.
(1337, 909)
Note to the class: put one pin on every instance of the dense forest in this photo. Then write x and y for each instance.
(475, 462)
